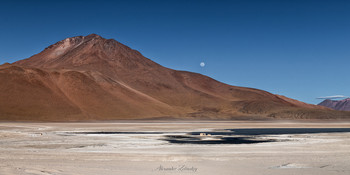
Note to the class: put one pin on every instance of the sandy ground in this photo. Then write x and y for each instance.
(57, 149)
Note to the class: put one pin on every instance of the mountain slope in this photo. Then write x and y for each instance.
(340, 105)
(92, 78)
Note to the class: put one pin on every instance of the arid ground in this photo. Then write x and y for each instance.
(172, 147)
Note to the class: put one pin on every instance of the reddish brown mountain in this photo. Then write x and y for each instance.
(92, 78)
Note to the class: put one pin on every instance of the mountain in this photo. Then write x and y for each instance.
(92, 78)
(340, 105)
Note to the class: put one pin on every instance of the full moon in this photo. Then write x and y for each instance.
(202, 64)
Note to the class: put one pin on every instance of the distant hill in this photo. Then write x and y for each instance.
(340, 105)
(92, 78)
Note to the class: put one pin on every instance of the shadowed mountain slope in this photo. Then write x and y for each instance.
(341, 105)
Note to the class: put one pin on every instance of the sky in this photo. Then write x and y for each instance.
(296, 48)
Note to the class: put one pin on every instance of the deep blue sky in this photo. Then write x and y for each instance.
(296, 48)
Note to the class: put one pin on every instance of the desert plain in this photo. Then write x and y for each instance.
(146, 148)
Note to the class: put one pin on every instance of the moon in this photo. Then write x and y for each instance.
(202, 64)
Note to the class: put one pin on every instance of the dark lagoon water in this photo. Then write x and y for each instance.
(220, 140)
(229, 136)
(276, 131)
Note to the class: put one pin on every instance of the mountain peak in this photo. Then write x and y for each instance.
(76, 40)
(91, 52)
(340, 105)
(94, 35)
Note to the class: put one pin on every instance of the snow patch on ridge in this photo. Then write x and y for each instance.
(63, 47)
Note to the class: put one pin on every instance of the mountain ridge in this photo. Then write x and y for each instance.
(92, 78)
(340, 105)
